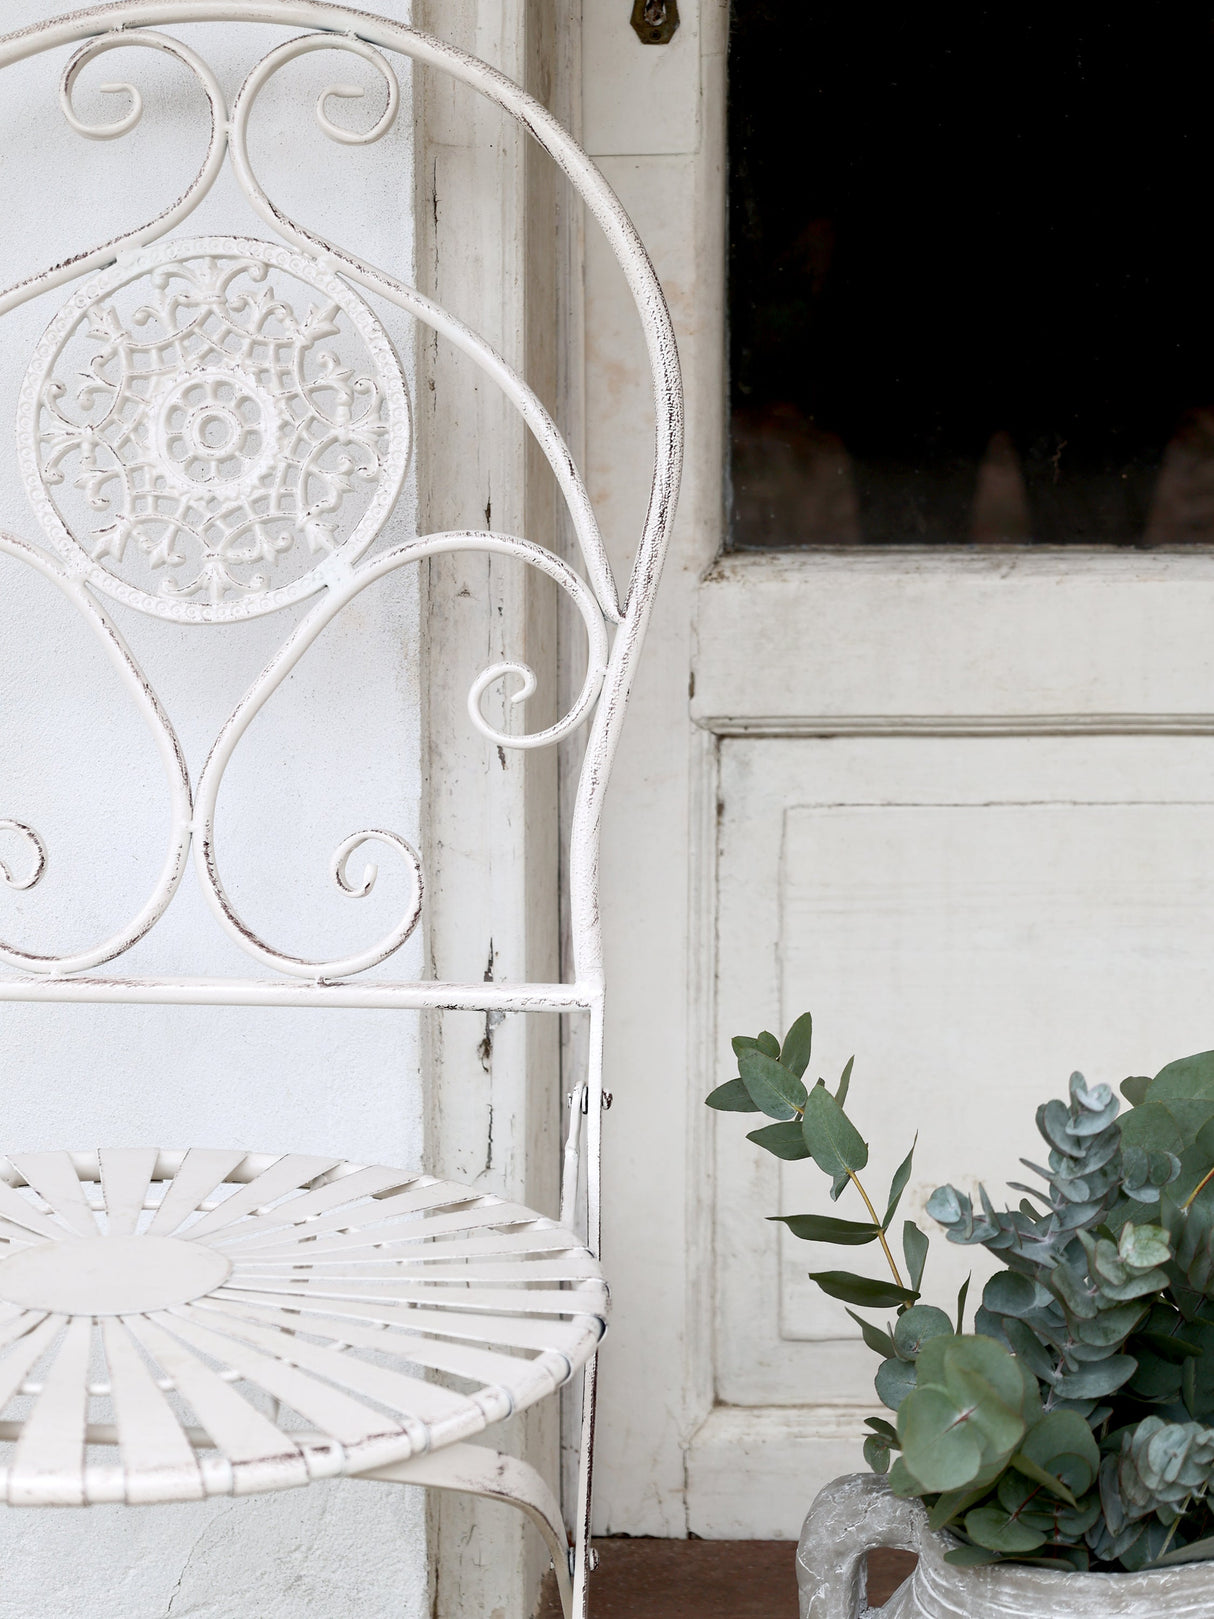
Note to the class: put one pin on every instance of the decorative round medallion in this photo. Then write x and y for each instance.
(206, 422)
(111, 1275)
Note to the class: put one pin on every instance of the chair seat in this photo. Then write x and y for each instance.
(175, 1325)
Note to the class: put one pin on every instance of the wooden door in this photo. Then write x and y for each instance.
(958, 801)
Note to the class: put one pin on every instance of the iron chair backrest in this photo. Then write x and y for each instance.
(198, 275)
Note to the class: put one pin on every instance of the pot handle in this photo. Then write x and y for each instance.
(849, 1518)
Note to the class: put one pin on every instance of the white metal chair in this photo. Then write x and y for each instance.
(150, 1300)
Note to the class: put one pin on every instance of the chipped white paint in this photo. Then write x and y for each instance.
(216, 463)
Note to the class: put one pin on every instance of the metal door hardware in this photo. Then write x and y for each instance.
(655, 21)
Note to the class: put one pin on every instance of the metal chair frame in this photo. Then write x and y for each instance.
(244, 1201)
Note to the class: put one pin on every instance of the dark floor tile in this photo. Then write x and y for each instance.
(709, 1579)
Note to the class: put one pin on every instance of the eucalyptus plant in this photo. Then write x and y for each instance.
(1073, 1427)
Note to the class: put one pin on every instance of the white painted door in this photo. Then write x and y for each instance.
(959, 804)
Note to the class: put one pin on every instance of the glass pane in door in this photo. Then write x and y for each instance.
(970, 270)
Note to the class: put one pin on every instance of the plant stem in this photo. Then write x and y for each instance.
(855, 1180)
(1201, 1185)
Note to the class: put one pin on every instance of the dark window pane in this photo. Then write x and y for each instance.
(970, 274)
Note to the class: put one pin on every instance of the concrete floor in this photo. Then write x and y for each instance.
(709, 1579)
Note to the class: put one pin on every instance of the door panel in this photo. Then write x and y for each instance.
(972, 917)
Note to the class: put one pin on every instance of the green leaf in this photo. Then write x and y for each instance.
(1143, 1246)
(971, 1557)
(784, 1140)
(952, 1503)
(830, 1135)
(844, 1082)
(772, 1088)
(917, 1326)
(768, 1045)
(902, 1481)
(876, 1453)
(879, 1342)
(1134, 1089)
(914, 1247)
(732, 1097)
(1186, 1089)
(1167, 1347)
(1152, 1127)
(862, 1290)
(961, 1359)
(1026, 1465)
(962, 1421)
(940, 1443)
(1009, 1293)
(962, 1295)
(825, 1228)
(1197, 1551)
(1061, 1434)
(794, 1053)
(894, 1381)
(995, 1529)
(898, 1185)
(1099, 1378)
(879, 1425)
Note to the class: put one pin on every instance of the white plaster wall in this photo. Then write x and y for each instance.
(339, 748)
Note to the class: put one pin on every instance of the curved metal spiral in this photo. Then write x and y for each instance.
(344, 585)
(39, 850)
(171, 756)
(516, 389)
(202, 182)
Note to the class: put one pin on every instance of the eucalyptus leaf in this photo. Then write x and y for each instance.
(1010, 1293)
(1186, 1089)
(914, 1248)
(879, 1342)
(898, 1185)
(831, 1137)
(971, 1557)
(732, 1097)
(1039, 1475)
(773, 1089)
(917, 1326)
(1197, 1551)
(962, 1295)
(879, 1425)
(952, 1503)
(768, 1045)
(862, 1290)
(825, 1228)
(844, 1082)
(876, 1453)
(939, 1441)
(902, 1481)
(794, 1053)
(1134, 1089)
(783, 1140)
(999, 1532)
(1103, 1377)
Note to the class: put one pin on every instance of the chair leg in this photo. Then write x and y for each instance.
(476, 1470)
(583, 1556)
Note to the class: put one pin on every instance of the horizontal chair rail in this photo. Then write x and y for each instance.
(152, 991)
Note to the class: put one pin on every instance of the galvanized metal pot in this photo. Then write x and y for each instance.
(856, 1513)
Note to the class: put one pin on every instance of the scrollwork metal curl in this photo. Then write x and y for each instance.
(341, 871)
(538, 420)
(172, 759)
(343, 584)
(185, 204)
(39, 848)
(354, 92)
